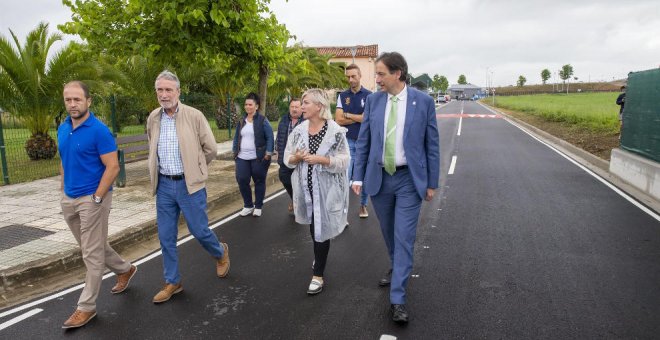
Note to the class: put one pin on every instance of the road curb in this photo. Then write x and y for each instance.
(598, 165)
(43, 269)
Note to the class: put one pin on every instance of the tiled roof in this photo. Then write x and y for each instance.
(345, 51)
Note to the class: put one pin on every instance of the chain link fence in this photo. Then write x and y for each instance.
(124, 115)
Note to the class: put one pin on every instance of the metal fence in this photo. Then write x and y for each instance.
(640, 132)
(125, 117)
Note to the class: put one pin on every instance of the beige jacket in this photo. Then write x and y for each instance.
(196, 145)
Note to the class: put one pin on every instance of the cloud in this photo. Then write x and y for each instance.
(602, 39)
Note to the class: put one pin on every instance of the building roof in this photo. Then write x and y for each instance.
(463, 87)
(345, 51)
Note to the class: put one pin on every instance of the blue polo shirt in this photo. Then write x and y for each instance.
(80, 151)
(353, 103)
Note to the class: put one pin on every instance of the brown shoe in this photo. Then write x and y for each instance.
(222, 266)
(167, 291)
(291, 207)
(123, 280)
(363, 211)
(79, 318)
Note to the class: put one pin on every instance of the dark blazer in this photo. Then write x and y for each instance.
(421, 143)
(283, 135)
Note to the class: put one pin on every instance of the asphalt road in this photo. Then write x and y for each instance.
(519, 243)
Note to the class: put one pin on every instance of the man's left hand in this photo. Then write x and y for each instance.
(429, 194)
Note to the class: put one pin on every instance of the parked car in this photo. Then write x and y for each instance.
(441, 99)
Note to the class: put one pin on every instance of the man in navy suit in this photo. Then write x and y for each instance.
(397, 163)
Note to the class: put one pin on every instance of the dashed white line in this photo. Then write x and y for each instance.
(452, 166)
(460, 126)
(20, 318)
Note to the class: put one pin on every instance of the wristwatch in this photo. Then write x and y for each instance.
(97, 199)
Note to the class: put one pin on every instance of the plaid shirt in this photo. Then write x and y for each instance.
(169, 156)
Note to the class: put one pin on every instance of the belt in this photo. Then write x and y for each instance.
(173, 177)
(399, 168)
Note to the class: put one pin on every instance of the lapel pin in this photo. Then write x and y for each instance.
(414, 103)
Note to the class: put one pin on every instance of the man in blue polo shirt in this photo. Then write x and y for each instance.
(89, 166)
(350, 105)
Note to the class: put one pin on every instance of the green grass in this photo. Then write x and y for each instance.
(22, 169)
(594, 111)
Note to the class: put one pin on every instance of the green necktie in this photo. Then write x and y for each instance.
(390, 138)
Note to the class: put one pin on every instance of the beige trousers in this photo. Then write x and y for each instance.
(88, 222)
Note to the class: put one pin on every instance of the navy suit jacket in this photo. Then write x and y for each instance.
(421, 142)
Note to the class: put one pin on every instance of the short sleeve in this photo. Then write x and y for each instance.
(105, 142)
(339, 102)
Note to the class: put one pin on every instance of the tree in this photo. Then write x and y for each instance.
(439, 83)
(214, 34)
(137, 82)
(521, 81)
(304, 68)
(545, 75)
(435, 83)
(444, 84)
(565, 74)
(31, 83)
(462, 80)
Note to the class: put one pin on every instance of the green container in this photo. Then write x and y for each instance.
(641, 115)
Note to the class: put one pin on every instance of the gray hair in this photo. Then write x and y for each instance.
(167, 75)
(319, 96)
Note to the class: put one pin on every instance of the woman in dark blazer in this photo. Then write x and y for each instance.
(253, 148)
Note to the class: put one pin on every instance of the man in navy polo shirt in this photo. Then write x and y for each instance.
(89, 166)
(350, 105)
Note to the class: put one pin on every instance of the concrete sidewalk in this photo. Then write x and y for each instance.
(35, 242)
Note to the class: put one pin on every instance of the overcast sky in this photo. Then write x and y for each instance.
(602, 39)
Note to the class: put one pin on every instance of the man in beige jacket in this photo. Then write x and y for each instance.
(181, 145)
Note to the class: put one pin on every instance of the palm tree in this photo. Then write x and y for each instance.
(137, 81)
(305, 68)
(31, 83)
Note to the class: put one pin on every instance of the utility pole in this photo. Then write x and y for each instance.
(354, 52)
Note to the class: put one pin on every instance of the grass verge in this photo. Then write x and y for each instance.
(586, 120)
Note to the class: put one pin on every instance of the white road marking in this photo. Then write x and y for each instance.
(587, 170)
(460, 126)
(452, 165)
(20, 318)
(141, 261)
(387, 337)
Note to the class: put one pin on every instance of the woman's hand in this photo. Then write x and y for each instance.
(316, 159)
(298, 156)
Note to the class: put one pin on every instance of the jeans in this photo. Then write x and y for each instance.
(255, 170)
(172, 198)
(351, 146)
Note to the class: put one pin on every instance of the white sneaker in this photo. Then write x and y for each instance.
(246, 211)
(256, 213)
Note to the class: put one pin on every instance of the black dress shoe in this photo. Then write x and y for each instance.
(385, 281)
(399, 313)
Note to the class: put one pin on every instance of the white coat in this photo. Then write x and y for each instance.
(330, 183)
